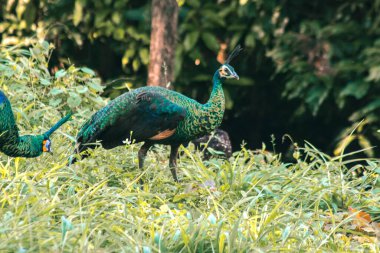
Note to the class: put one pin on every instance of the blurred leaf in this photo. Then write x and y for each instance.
(190, 40)
(45, 82)
(55, 102)
(60, 73)
(88, 71)
(212, 219)
(366, 144)
(146, 249)
(78, 12)
(374, 74)
(341, 146)
(129, 53)
(213, 151)
(315, 97)
(235, 40)
(144, 56)
(135, 64)
(95, 86)
(116, 17)
(56, 91)
(210, 41)
(74, 100)
(180, 197)
(212, 17)
(194, 3)
(357, 89)
(118, 34)
(81, 89)
(250, 40)
(66, 226)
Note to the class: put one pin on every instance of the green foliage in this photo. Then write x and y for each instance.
(334, 59)
(80, 22)
(251, 202)
(318, 61)
(34, 91)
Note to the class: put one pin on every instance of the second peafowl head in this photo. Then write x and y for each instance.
(46, 143)
(46, 146)
(31, 146)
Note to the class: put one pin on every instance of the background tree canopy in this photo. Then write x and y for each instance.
(309, 69)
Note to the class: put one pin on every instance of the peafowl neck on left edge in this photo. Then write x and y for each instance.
(12, 144)
(24, 146)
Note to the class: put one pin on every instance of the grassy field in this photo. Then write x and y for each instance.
(252, 202)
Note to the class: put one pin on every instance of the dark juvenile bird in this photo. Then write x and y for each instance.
(219, 141)
(156, 115)
(12, 144)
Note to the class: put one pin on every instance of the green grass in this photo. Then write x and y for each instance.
(253, 202)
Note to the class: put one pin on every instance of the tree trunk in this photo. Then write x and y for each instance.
(163, 42)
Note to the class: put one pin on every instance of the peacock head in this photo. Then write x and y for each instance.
(46, 145)
(226, 70)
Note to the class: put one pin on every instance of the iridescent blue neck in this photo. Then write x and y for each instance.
(216, 100)
(24, 146)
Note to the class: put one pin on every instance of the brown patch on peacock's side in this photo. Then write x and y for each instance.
(163, 135)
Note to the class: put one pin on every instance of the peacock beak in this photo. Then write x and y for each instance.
(236, 76)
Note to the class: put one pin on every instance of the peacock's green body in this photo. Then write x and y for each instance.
(12, 144)
(147, 111)
(156, 115)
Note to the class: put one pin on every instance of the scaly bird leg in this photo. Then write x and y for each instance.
(141, 155)
(173, 161)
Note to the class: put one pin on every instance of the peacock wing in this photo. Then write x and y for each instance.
(152, 117)
(146, 116)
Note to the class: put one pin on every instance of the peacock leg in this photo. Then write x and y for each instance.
(173, 161)
(142, 154)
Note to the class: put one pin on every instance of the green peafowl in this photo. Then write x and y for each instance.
(156, 115)
(14, 145)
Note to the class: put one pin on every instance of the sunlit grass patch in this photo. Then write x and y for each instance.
(250, 202)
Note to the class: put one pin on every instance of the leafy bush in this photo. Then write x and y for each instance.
(252, 202)
(333, 62)
(318, 62)
(37, 95)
